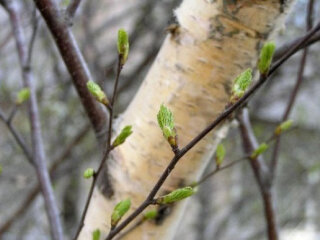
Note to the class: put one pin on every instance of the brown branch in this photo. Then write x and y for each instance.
(36, 136)
(74, 62)
(294, 93)
(261, 173)
(221, 118)
(72, 8)
(36, 189)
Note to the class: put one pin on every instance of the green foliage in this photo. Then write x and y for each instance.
(119, 211)
(266, 56)
(88, 173)
(241, 83)
(0, 169)
(283, 127)
(149, 215)
(166, 123)
(23, 95)
(96, 234)
(176, 195)
(123, 45)
(259, 150)
(121, 138)
(96, 91)
(220, 154)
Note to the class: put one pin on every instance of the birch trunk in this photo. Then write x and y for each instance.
(192, 74)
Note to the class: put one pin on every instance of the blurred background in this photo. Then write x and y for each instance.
(227, 205)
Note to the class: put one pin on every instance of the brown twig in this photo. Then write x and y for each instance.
(36, 136)
(75, 63)
(72, 8)
(294, 93)
(109, 148)
(222, 117)
(261, 173)
(36, 189)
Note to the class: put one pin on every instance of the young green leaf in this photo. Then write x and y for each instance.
(149, 215)
(119, 211)
(96, 234)
(121, 138)
(176, 195)
(220, 154)
(88, 173)
(259, 150)
(166, 123)
(283, 127)
(240, 85)
(266, 56)
(96, 91)
(123, 46)
(23, 95)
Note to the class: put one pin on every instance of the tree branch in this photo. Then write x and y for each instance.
(37, 141)
(294, 93)
(75, 63)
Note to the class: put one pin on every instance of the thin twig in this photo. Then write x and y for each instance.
(37, 141)
(262, 177)
(36, 189)
(109, 148)
(222, 117)
(294, 93)
(71, 10)
(18, 138)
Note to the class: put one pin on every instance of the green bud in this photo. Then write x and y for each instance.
(96, 91)
(0, 169)
(121, 138)
(88, 173)
(240, 85)
(176, 195)
(149, 215)
(266, 56)
(23, 95)
(259, 150)
(283, 127)
(123, 45)
(166, 123)
(119, 210)
(220, 154)
(96, 234)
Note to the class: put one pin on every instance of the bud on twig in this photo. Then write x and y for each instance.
(283, 127)
(166, 123)
(88, 173)
(220, 154)
(240, 85)
(119, 211)
(149, 215)
(123, 46)
(176, 195)
(266, 56)
(23, 95)
(96, 234)
(259, 150)
(96, 91)
(121, 138)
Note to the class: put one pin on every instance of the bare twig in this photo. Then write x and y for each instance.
(262, 176)
(75, 63)
(294, 93)
(72, 8)
(37, 141)
(36, 190)
(221, 118)
(17, 137)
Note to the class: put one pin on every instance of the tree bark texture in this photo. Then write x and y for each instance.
(214, 42)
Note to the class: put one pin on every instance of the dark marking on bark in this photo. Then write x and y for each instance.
(104, 183)
(163, 212)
